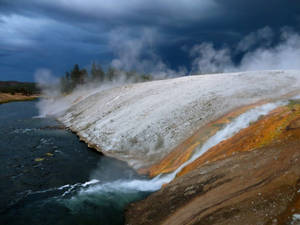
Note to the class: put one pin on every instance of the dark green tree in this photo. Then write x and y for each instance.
(97, 73)
(111, 73)
(78, 76)
(83, 77)
(75, 76)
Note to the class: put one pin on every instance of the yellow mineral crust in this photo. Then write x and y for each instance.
(271, 128)
(183, 152)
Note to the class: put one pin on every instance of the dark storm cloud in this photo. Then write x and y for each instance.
(59, 33)
(208, 14)
(115, 12)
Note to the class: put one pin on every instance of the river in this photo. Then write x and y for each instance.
(47, 176)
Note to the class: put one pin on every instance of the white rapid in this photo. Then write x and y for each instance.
(125, 186)
(141, 123)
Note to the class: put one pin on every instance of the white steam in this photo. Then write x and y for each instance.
(138, 54)
(47, 82)
(258, 50)
(261, 38)
(285, 55)
(56, 104)
(207, 59)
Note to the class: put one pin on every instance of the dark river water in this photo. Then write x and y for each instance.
(47, 176)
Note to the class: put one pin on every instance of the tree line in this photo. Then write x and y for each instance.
(13, 87)
(77, 76)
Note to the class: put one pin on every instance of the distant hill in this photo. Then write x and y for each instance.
(12, 87)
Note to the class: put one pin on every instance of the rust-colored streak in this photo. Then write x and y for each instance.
(248, 188)
(183, 152)
(272, 127)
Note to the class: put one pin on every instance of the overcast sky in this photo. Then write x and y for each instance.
(56, 34)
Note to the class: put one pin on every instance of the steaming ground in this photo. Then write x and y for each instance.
(141, 123)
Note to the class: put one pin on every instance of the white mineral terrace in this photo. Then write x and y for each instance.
(141, 123)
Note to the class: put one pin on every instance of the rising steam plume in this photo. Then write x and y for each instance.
(260, 50)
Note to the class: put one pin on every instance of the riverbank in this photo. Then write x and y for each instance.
(6, 97)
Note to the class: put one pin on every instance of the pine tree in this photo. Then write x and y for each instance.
(83, 77)
(97, 72)
(111, 73)
(75, 76)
